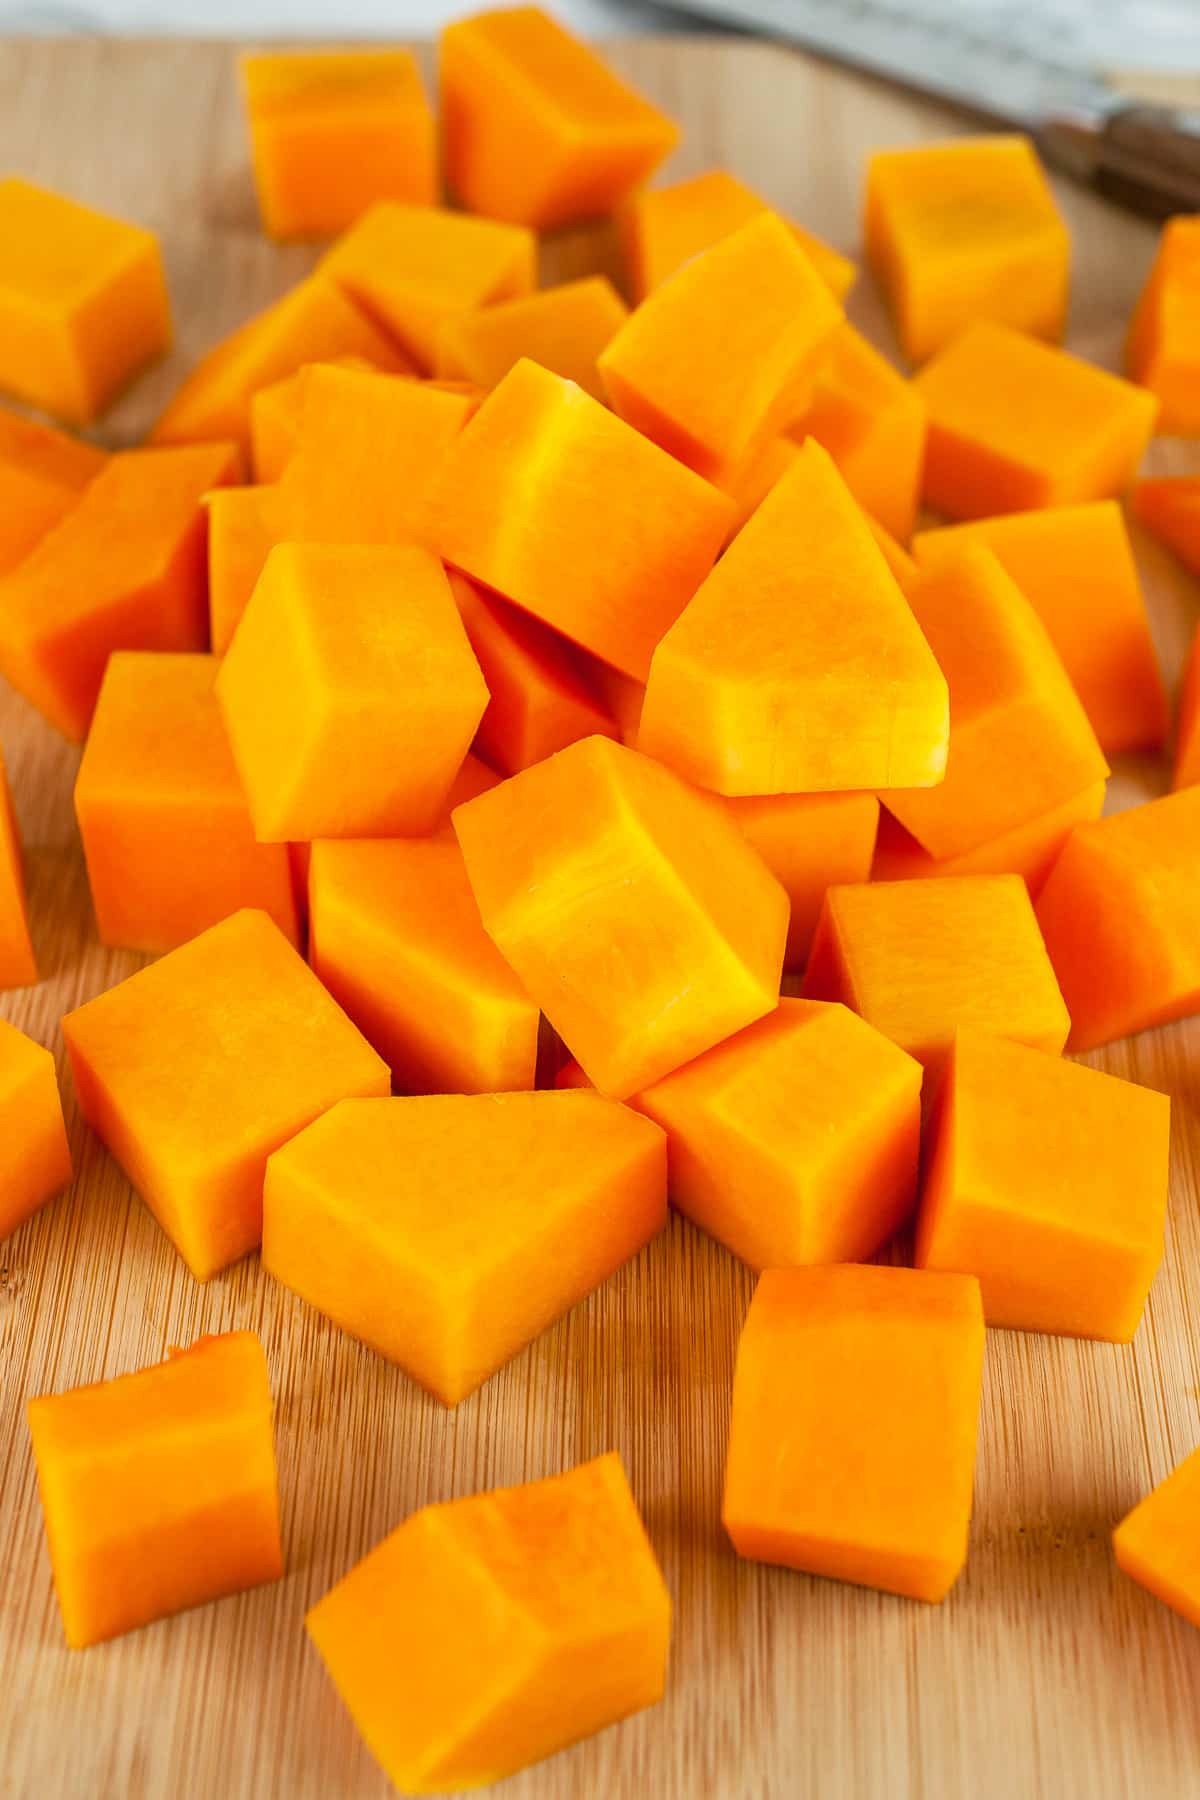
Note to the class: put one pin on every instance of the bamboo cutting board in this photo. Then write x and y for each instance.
(1044, 1674)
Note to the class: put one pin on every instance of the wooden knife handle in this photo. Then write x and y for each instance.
(1145, 157)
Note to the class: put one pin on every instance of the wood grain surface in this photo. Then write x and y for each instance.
(1045, 1673)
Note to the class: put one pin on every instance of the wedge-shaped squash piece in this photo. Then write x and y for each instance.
(872, 422)
(1187, 746)
(1015, 424)
(920, 958)
(661, 228)
(244, 526)
(1156, 1545)
(962, 231)
(448, 1230)
(414, 268)
(333, 131)
(798, 667)
(159, 1489)
(367, 453)
(537, 128)
(569, 513)
(165, 826)
(125, 569)
(397, 939)
(1048, 1181)
(1169, 506)
(563, 328)
(796, 1140)
(1163, 350)
(18, 964)
(83, 302)
(350, 693)
(855, 1416)
(635, 913)
(1020, 742)
(42, 474)
(488, 1632)
(314, 322)
(1029, 850)
(1074, 565)
(35, 1159)
(809, 842)
(195, 1069)
(722, 356)
(1118, 913)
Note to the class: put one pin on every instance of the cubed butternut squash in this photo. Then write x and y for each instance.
(1155, 1544)
(1163, 348)
(42, 474)
(35, 1158)
(244, 526)
(1029, 850)
(563, 328)
(18, 964)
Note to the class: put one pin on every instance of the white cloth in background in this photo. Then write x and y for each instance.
(384, 19)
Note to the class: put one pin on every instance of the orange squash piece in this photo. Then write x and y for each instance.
(18, 964)
(749, 484)
(474, 777)
(244, 526)
(872, 422)
(314, 322)
(1016, 424)
(35, 1159)
(631, 907)
(661, 228)
(195, 1069)
(275, 425)
(165, 826)
(796, 1140)
(83, 302)
(798, 668)
(447, 1231)
(1020, 742)
(562, 328)
(159, 1489)
(1163, 348)
(350, 693)
(1155, 1544)
(855, 1416)
(488, 1632)
(570, 514)
(333, 131)
(1169, 506)
(1118, 913)
(966, 230)
(125, 569)
(1075, 566)
(537, 129)
(1187, 747)
(722, 356)
(809, 842)
(920, 958)
(1047, 1181)
(396, 937)
(897, 558)
(42, 474)
(1030, 850)
(414, 268)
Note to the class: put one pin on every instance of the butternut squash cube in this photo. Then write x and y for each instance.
(1047, 1181)
(1074, 565)
(572, 515)
(749, 484)
(920, 958)
(1169, 506)
(1155, 1544)
(42, 474)
(350, 693)
(18, 964)
(722, 356)
(809, 842)
(125, 569)
(855, 1415)
(159, 1488)
(1118, 913)
(486, 1633)
(275, 425)
(636, 914)
(1163, 348)
(537, 128)
(397, 939)
(83, 302)
(1015, 424)
(244, 526)
(897, 558)
(35, 1158)
(563, 328)
(333, 131)
(798, 667)
(962, 231)
(448, 1230)
(1187, 747)
(195, 1069)
(796, 1140)
(165, 826)
(1029, 850)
